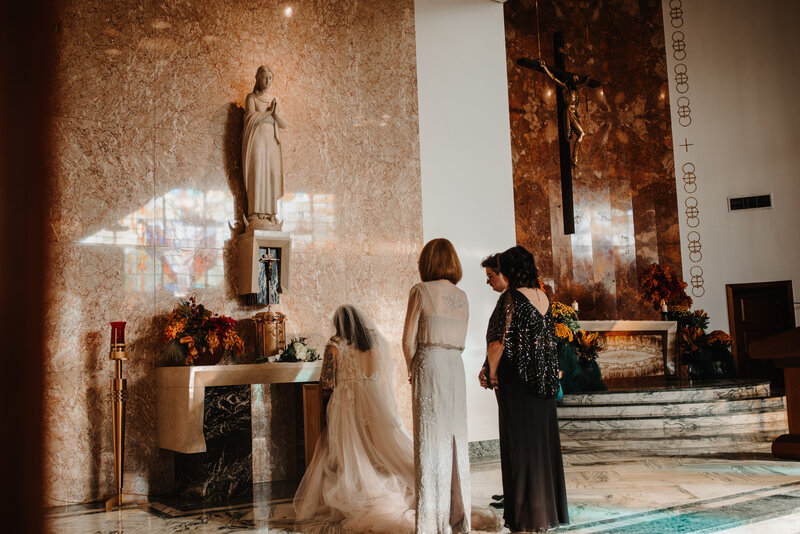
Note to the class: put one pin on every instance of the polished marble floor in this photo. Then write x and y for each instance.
(608, 493)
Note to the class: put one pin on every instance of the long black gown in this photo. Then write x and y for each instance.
(530, 446)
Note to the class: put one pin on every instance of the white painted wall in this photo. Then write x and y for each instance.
(743, 86)
(465, 159)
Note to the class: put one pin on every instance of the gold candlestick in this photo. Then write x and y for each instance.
(119, 395)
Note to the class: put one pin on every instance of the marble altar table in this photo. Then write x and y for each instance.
(233, 425)
(180, 394)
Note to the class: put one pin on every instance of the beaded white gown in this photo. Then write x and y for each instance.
(433, 340)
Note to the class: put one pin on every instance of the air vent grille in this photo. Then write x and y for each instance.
(749, 203)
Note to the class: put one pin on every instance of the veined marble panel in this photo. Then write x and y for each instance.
(626, 212)
(103, 183)
(672, 410)
(770, 424)
(745, 421)
(668, 395)
(224, 471)
(146, 144)
(756, 442)
(111, 84)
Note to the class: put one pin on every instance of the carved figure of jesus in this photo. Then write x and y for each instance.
(262, 161)
(571, 87)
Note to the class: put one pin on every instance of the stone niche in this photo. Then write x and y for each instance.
(252, 274)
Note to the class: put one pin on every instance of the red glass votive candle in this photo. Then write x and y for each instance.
(117, 333)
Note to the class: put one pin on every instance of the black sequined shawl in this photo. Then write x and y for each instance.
(529, 341)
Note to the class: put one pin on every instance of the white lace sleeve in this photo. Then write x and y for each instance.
(411, 325)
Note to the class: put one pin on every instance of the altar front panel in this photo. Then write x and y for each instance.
(635, 349)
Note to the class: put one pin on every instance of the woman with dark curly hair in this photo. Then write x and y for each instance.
(523, 371)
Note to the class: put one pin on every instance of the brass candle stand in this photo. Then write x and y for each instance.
(119, 395)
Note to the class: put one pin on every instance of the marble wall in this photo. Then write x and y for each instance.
(626, 214)
(147, 134)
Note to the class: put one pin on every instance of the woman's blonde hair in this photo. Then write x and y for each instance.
(438, 260)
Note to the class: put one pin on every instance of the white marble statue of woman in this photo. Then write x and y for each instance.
(261, 150)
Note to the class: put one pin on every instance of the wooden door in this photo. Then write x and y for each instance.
(756, 311)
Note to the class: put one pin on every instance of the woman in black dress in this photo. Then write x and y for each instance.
(523, 370)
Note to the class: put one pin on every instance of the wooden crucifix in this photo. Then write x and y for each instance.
(271, 279)
(568, 85)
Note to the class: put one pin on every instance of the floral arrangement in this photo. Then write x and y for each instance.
(719, 340)
(587, 344)
(577, 351)
(661, 283)
(296, 351)
(564, 333)
(679, 313)
(565, 315)
(692, 339)
(699, 319)
(192, 330)
(707, 355)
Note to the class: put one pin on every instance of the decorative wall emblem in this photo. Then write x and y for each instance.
(695, 247)
(676, 13)
(696, 280)
(689, 178)
(684, 111)
(678, 46)
(692, 212)
(681, 78)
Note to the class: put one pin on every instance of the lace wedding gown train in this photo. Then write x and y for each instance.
(362, 473)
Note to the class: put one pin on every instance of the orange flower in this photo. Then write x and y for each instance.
(233, 342)
(562, 311)
(213, 340)
(175, 327)
(719, 337)
(563, 332)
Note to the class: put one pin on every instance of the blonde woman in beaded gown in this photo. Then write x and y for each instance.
(433, 339)
(362, 474)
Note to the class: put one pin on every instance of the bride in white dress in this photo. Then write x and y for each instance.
(362, 473)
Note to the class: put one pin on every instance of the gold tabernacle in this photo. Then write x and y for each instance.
(270, 333)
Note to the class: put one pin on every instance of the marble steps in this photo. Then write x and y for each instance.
(721, 419)
(776, 426)
(709, 393)
(752, 419)
(676, 409)
(720, 443)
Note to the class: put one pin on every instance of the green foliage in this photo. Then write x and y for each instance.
(173, 354)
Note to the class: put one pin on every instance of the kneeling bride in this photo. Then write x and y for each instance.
(362, 473)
